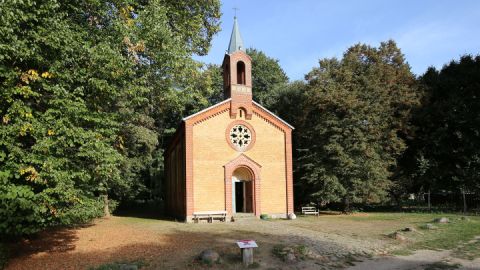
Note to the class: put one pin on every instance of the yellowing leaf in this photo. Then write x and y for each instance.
(47, 75)
(6, 119)
(25, 129)
(30, 76)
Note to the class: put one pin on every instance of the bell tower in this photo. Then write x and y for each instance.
(237, 76)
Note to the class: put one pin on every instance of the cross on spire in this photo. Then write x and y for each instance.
(235, 10)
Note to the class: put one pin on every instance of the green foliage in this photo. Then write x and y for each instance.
(356, 114)
(214, 75)
(446, 150)
(88, 90)
(266, 75)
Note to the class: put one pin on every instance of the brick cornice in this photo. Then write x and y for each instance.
(270, 118)
(207, 114)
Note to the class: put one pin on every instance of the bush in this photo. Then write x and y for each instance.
(20, 211)
(23, 212)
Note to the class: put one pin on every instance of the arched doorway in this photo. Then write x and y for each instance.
(242, 191)
(243, 169)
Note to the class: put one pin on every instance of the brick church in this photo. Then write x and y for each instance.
(233, 158)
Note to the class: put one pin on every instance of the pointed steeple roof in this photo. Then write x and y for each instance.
(236, 41)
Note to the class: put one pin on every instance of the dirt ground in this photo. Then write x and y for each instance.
(327, 242)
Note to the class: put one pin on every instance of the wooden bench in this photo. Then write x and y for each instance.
(210, 215)
(309, 210)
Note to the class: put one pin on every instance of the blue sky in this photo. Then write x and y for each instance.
(300, 32)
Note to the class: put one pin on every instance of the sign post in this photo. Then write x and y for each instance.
(246, 246)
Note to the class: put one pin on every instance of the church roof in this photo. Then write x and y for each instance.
(228, 100)
(274, 115)
(206, 109)
(236, 41)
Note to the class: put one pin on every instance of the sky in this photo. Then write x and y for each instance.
(300, 32)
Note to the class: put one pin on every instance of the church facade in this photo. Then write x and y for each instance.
(233, 157)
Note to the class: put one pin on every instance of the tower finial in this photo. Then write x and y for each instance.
(235, 9)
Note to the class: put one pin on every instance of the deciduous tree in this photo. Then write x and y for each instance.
(85, 89)
(357, 116)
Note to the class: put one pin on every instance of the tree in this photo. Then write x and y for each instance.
(85, 89)
(214, 76)
(449, 129)
(357, 114)
(266, 74)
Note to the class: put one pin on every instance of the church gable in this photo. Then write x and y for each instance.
(225, 106)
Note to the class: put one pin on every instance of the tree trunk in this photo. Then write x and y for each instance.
(464, 201)
(106, 210)
(429, 204)
(396, 198)
(346, 205)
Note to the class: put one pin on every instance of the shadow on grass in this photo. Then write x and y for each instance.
(142, 210)
(174, 249)
(177, 247)
(50, 240)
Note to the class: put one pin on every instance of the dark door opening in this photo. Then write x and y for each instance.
(239, 197)
(244, 197)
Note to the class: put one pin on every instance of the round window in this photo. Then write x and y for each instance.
(240, 136)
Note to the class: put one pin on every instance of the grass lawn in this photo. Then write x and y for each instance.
(459, 235)
(328, 241)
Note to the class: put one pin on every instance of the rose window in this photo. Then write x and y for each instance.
(240, 136)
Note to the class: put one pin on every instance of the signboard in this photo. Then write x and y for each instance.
(246, 244)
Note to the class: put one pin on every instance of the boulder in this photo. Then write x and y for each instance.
(398, 236)
(209, 256)
(409, 229)
(429, 226)
(292, 216)
(290, 257)
(441, 220)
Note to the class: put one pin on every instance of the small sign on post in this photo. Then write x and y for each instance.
(246, 246)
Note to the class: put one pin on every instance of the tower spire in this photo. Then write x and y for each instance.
(236, 41)
(237, 76)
